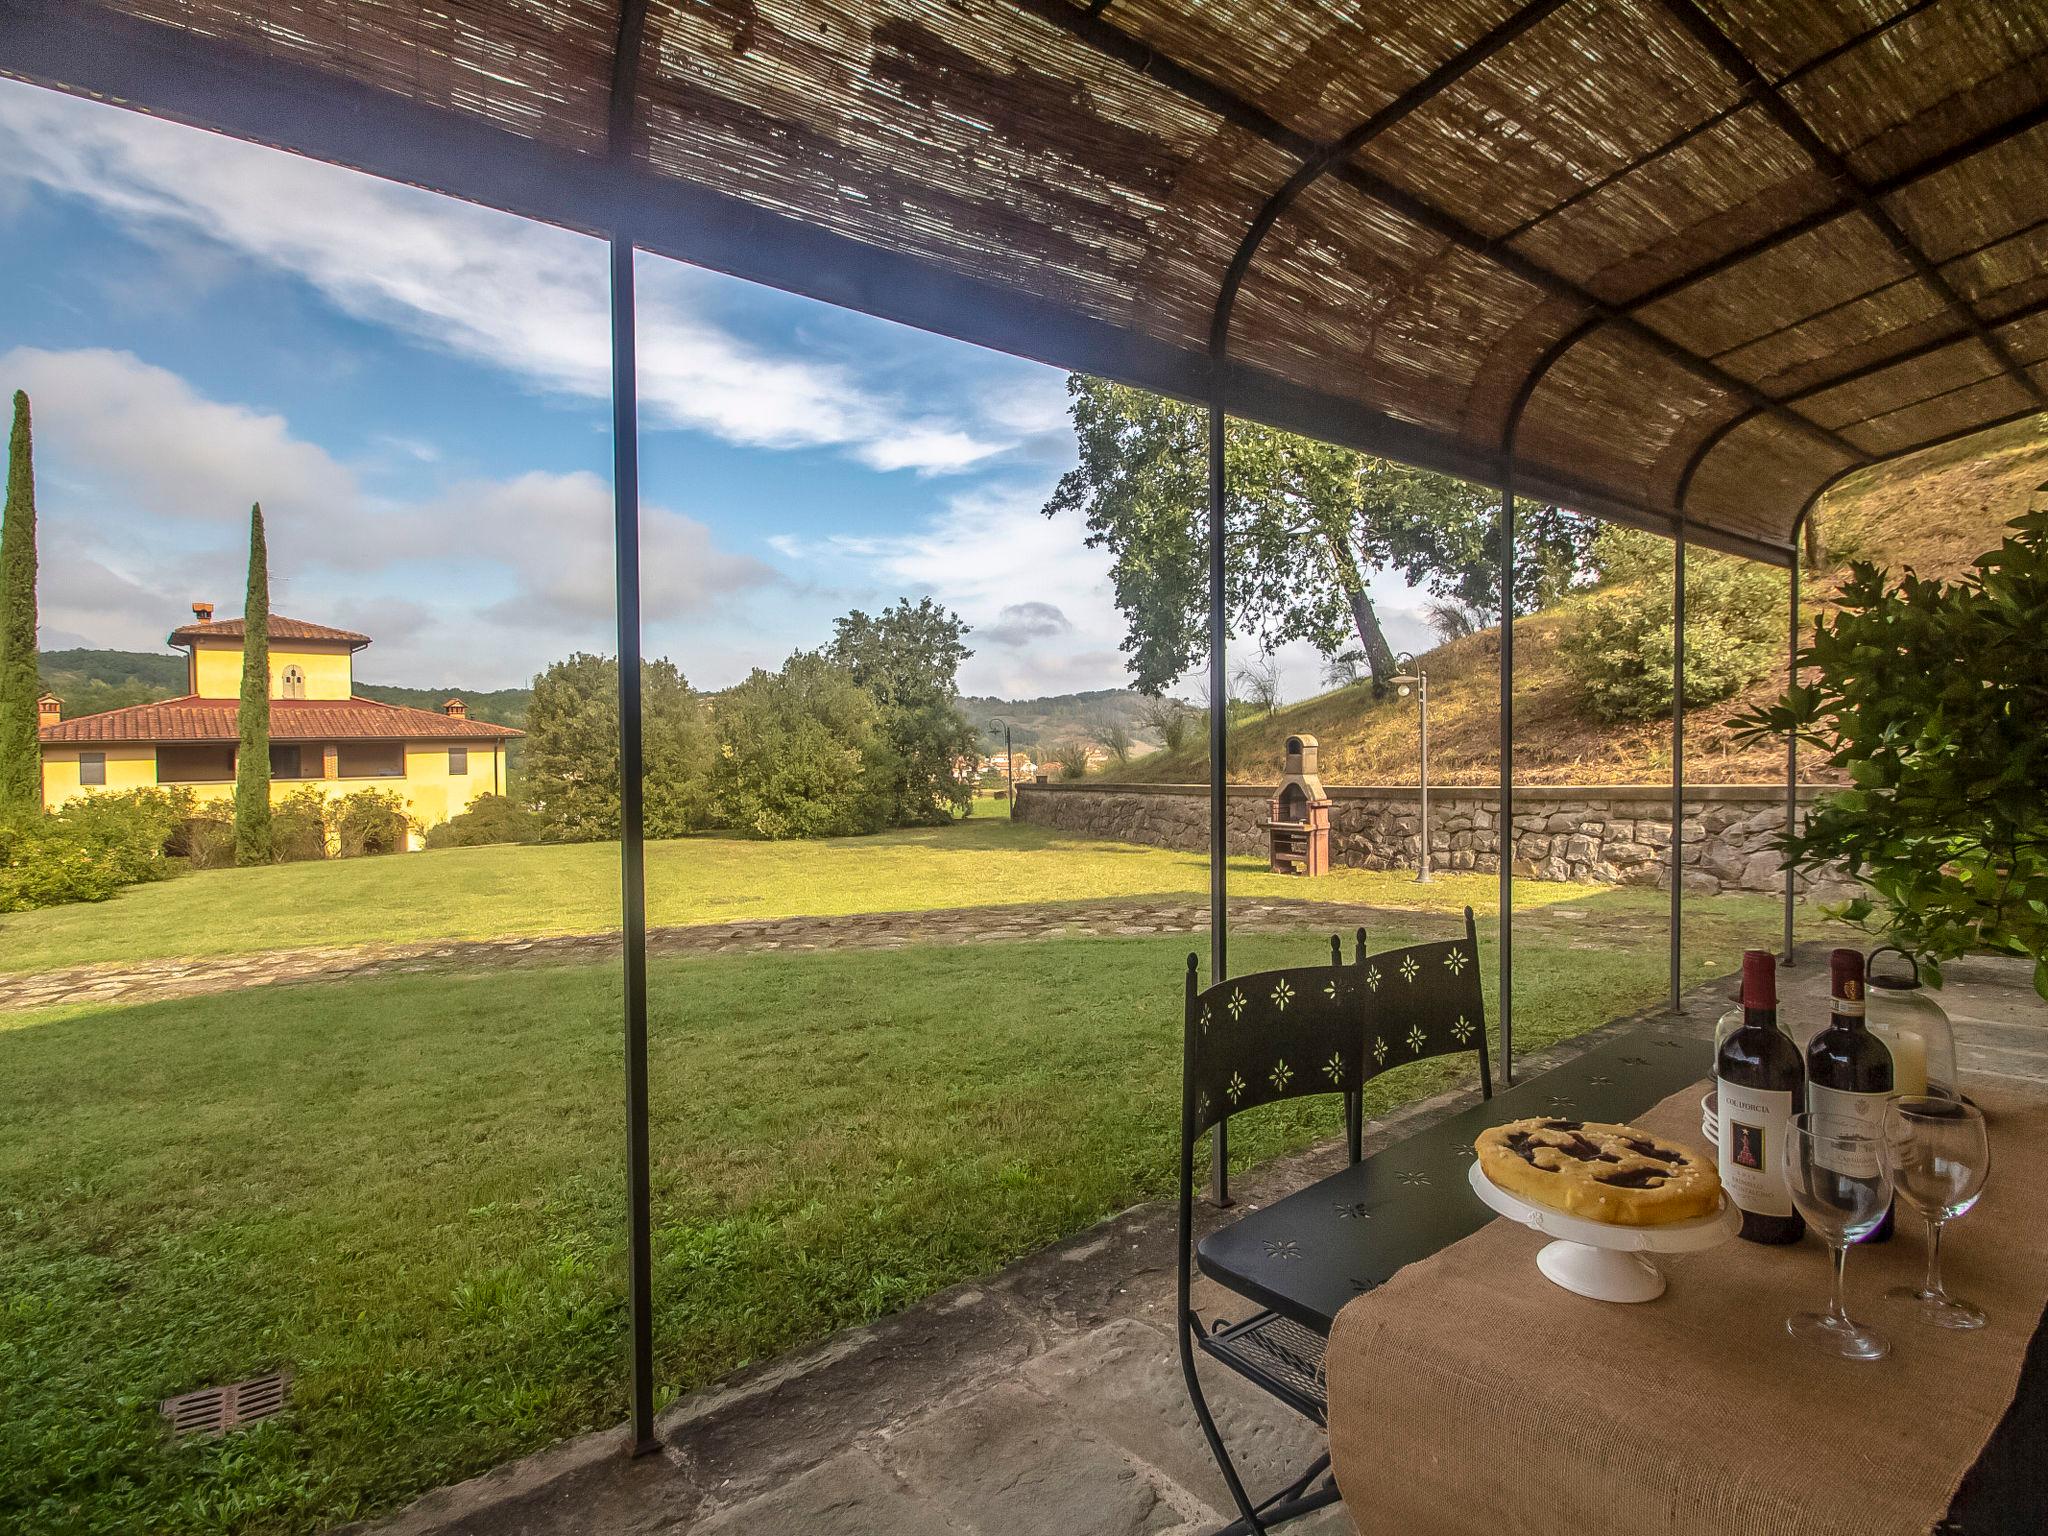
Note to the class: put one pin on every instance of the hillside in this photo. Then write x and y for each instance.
(1054, 719)
(1935, 513)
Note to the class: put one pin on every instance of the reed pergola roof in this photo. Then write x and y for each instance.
(1656, 255)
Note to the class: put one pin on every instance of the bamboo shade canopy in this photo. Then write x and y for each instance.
(1656, 256)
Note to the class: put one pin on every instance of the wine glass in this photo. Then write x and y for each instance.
(1939, 1158)
(1836, 1174)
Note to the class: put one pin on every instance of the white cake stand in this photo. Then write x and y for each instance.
(1602, 1260)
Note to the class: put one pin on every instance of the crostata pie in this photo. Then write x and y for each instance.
(1611, 1173)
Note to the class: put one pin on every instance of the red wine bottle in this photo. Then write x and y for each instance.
(1848, 1069)
(1760, 1083)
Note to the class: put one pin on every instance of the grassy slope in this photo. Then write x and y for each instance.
(407, 1190)
(1936, 512)
(485, 892)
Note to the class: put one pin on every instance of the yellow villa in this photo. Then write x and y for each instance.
(321, 733)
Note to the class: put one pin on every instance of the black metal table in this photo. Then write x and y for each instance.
(1309, 1254)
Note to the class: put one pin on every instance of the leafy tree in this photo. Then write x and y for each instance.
(1930, 697)
(1306, 524)
(909, 658)
(21, 764)
(572, 750)
(1619, 646)
(803, 753)
(252, 761)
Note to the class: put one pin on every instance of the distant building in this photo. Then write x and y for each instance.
(321, 733)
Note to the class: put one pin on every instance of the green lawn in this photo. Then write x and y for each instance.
(407, 1190)
(483, 892)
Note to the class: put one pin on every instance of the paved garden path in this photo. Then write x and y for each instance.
(155, 980)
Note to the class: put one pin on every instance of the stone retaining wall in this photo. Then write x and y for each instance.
(1602, 834)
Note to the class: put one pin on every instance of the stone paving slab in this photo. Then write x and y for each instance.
(158, 980)
(1008, 1462)
(850, 1495)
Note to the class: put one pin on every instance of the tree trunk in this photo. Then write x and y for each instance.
(1379, 656)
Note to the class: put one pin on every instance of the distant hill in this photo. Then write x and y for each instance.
(90, 682)
(1058, 718)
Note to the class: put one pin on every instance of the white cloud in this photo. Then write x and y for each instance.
(148, 488)
(521, 296)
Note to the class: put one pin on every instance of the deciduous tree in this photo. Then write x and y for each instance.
(1306, 526)
(572, 750)
(802, 753)
(909, 658)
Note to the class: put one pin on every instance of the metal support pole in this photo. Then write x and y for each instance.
(1504, 830)
(632, 848)
(1422, 875)
(1677, 759)
(1010, 768)
(1791, 740)
(1219, 727)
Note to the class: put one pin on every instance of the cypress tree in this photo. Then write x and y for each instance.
(21, 766)
(252, 763)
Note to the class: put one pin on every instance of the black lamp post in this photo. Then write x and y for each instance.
(1009, 762)
(1414, 676)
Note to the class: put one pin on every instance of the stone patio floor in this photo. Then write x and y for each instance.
(1046, 1399)
(156, 980)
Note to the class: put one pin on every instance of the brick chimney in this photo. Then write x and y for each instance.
(455, 709)
(202, 613)
(49, 711)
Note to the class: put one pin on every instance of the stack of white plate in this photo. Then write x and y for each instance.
(1710, 1118)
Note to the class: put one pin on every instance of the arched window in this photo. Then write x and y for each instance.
(294, 683)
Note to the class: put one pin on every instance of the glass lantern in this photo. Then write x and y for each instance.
(1912, 1025)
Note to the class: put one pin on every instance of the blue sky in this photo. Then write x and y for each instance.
(417, 391)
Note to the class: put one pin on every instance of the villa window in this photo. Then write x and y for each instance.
(294, 683)
(92, 768)
(198, 764)
(290, 761)
(458, 762)
(370, 760)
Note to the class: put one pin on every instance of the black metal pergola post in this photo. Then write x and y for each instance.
(1677, 762)
(632, 839)
(1504, 826)
(1792, 737)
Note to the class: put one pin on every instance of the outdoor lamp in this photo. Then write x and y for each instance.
(1413, 676)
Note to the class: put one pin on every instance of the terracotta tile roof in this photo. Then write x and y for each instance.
(281, 628)
(196, 719)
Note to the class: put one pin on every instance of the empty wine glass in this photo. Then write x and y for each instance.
(1835, 1172)
(1939, 1158)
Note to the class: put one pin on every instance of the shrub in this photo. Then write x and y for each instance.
(489, 819)
(89, 849)
(1071, 758)
(205, 841)
(1930, 697)
(298, 826)
(1174, 721)
(370, 821)
(1618, 647)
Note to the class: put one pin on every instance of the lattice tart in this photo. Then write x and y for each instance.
(1611, 1173)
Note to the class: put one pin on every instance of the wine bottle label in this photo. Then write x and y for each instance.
(1753, 1147)
(1865, 1111)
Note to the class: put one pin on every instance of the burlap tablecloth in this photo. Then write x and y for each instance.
(1471, 1394)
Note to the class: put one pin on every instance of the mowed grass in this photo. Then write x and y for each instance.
(476, 893)
(407, 1191)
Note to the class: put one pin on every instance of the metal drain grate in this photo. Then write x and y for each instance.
(213, 1411)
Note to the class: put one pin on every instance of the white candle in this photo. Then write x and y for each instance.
(1909, 1060)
